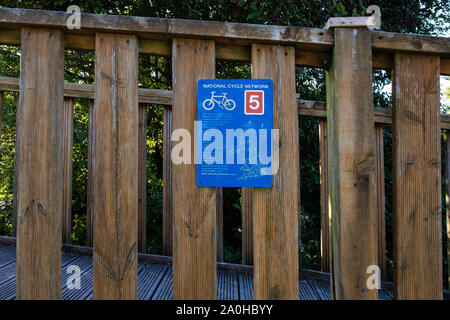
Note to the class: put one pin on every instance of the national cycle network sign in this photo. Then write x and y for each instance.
(236, 145)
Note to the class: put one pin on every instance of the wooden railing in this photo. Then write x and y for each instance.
(351, 146)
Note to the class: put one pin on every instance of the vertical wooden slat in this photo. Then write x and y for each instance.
(14, 222)
(90, 179)
(247, 226)
(219, 223)
(67, 167)
(275, 237)
(142, 215)
(447, 199)
(351, 165)
(194, 208)
(379, 165)
(417, 178)
(167, 184)
(324, 220)
(40, 164)
(115, 166)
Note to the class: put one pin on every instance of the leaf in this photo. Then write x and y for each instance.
(253, 15)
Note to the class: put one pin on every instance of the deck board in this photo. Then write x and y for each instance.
(227, 286)
(149, 279)
(154, 281)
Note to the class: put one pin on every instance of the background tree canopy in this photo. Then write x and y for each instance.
(407, 16)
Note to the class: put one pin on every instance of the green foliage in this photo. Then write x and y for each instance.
(7, 158)
(407, 16)
(154, 178)
(80, 171)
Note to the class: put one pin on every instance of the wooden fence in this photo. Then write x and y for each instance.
(351, 154)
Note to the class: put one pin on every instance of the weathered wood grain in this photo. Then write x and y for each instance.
(167, 220)
(219, 223)
(233, 53)
(447, 199)
(351, 165)
(115, 145)
(142, 214)
(10, 37)
(382, 60)
(67, 118)
(79, 90)
(164, 97)
(276, 209)
(157, 28)
(416, 161)
(312, 59)
(445, 67)
(247, 226)
(350, 22)
(194, 208)
(236, 33)
(415, 43)
(379, 166)
(324, 210)
(79, 41)
(40, 165)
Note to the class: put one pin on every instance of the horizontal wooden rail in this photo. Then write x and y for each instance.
(380, 59)
(164, 97)
(233, 40)
(222, 32)
(80, 90)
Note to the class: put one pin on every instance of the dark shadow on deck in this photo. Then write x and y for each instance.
(155, 279)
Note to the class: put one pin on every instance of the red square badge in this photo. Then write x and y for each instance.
(254, 102)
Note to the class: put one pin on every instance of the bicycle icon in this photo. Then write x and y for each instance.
(226, 103)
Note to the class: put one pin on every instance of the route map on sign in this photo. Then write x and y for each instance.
(234, 133)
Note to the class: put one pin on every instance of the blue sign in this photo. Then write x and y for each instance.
(234, 133)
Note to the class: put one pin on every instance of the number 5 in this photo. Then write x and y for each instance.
(254, 102)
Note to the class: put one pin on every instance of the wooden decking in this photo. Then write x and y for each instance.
(154, 280)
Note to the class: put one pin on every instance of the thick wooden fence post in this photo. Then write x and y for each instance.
(324, 218)
(167, 184)
(247, 226)
(115, 166)
(40, 164)
(351, 165)
(142, 215)
(194, 208)
(417, 177)
(379, 164)
(67, 165)
(275, 237)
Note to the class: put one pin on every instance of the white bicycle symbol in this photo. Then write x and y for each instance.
(226, 103)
